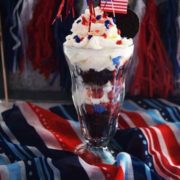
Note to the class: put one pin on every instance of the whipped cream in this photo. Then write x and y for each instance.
(101, 33)
(100, 46)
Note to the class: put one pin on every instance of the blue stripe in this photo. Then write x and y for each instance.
(14, 171)
(172, 114)
(148, 172)
(158, 104)
(175, 110)
(133, 107)
(155, 117)
(29, 151)
(39, 168)
(151, 104)
(20, 148)
(50, 171)
(13, 149)
(129, 105)
(164, 110)
(44, 166)
(18, 125)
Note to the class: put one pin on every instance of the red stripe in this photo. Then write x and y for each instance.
(64, 133)
(110, 10)
(122, 123)
(59, 127)
(136, 119)
(155, 157)
(164, 159)
(115, 8)
(120, 174)
(110, 171)
(171, 143)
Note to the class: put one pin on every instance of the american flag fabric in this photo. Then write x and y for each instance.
(115, 6)
(37, 143)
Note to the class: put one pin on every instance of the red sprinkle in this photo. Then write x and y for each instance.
(111, 95)
(93, 20)
(104, 35)
(97, 93)
(119, 42)
(97, 31)
(89, 108)
(84, 21)
(119, 31)
(104, 15)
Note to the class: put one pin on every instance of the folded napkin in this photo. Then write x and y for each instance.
(36, 143)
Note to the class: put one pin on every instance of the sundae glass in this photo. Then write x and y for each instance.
(98, 58)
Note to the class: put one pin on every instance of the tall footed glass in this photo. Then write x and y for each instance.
(98, 89)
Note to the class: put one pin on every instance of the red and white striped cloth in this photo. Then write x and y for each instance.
(36, 137)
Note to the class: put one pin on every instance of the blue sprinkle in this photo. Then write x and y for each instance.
(99, 108)
(77, 39)
(90, 36)
(98, 17)
(116, 60)
(78, 21)
(107, 23)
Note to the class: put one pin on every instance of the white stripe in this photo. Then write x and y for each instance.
(93, 172)
(7, 131)
(35, 151)
(126, 165)
(23, 170)
(56, 172)
(170, 103)
(147, 119)
(128, 120)
(158, 115)
(163, 146)
(4, 173)
(76, 128)
(114, 4)
(157, 155)
(159, 171)
(175, 131)
(33, 120)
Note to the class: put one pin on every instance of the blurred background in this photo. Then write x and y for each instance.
(31, 46)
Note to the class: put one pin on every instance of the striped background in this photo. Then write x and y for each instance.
(38, 144)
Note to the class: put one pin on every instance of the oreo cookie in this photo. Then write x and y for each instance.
(127, 23)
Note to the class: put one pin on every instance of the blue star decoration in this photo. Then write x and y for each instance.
(116, 60)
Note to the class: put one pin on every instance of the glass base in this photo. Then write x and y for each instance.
(95, 154)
